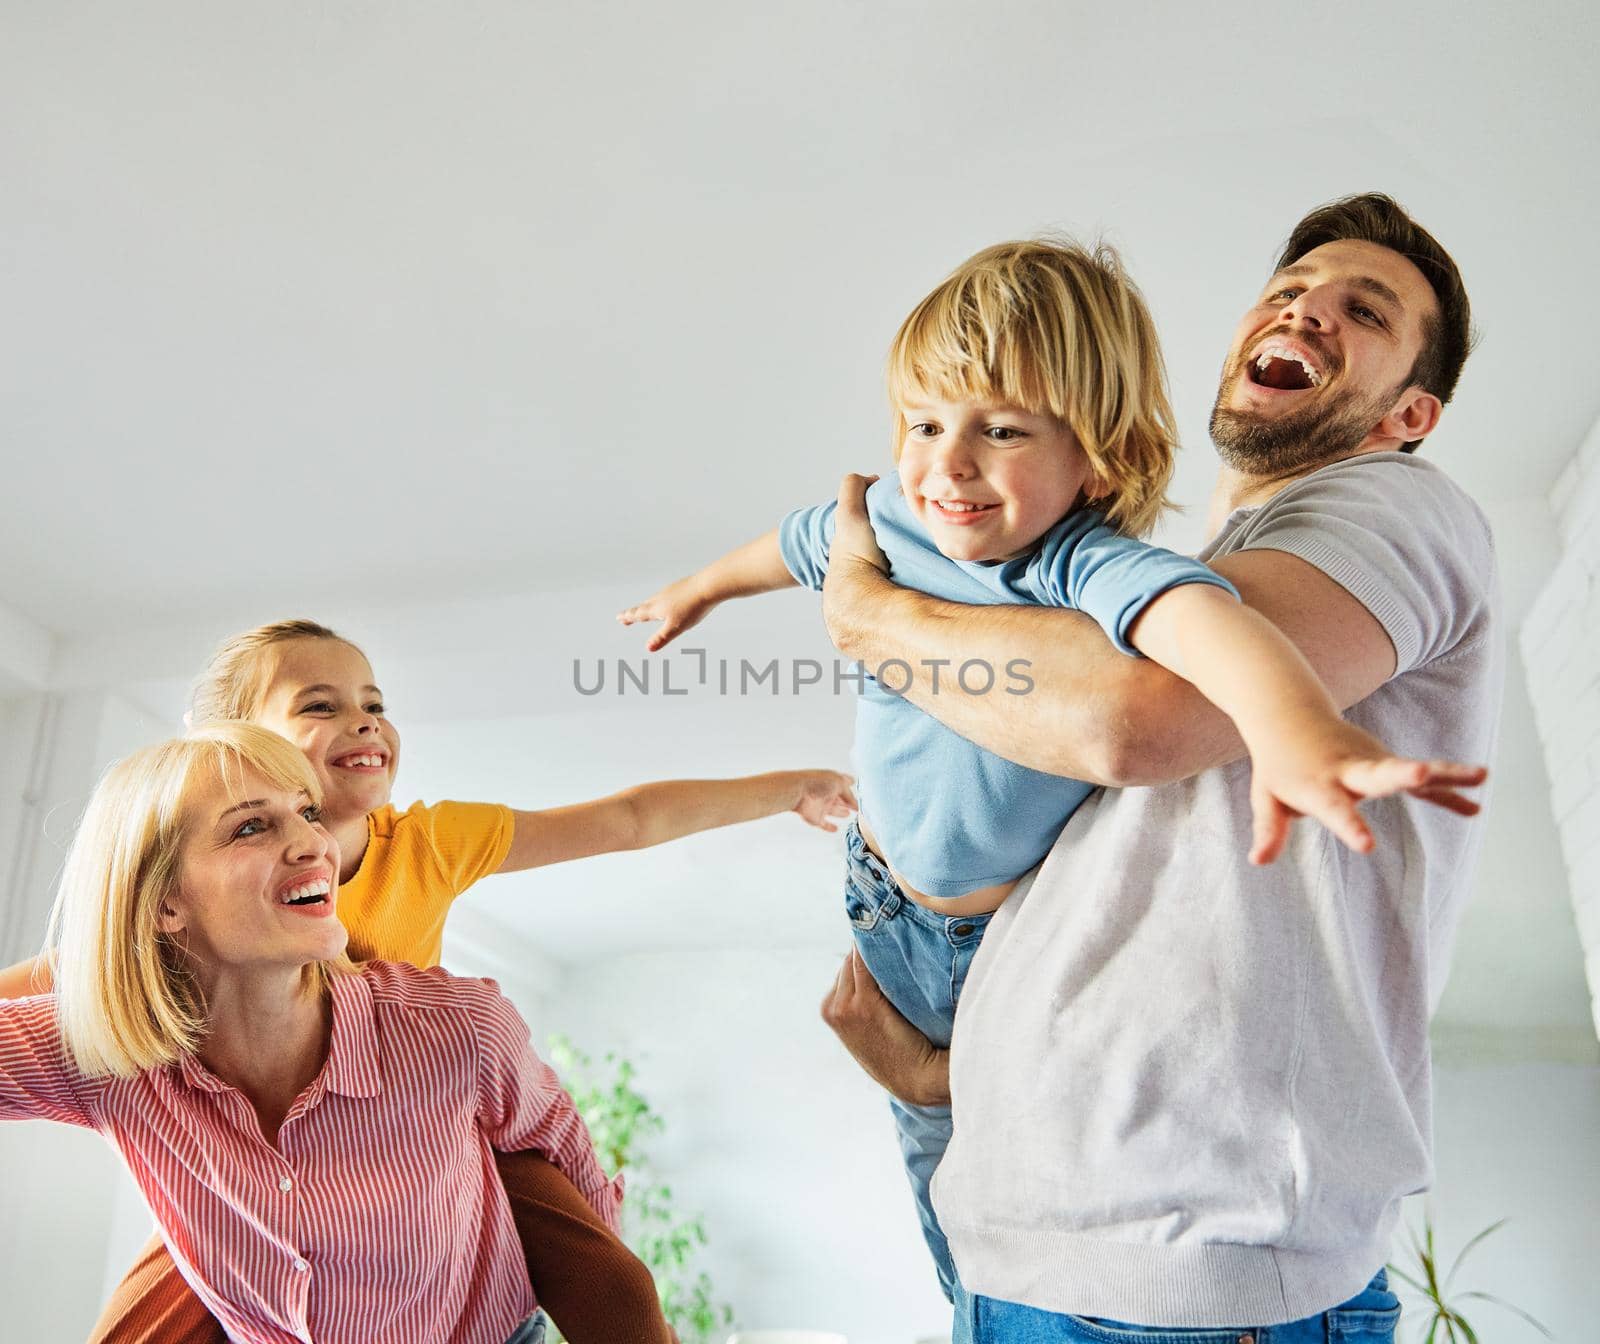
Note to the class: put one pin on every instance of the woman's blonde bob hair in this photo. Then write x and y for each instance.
(242, 668)
(1060, 330)
(125, 999)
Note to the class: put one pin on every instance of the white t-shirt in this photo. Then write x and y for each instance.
(1192, 1092)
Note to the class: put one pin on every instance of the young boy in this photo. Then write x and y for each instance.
(1027, 387)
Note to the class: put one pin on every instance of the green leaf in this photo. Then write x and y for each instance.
(1501, 1302)
(1405, 1278)
(1493, 1227)
(621, 1120)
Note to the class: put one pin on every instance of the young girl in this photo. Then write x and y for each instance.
(1027, 387)
(399, 874)
(316, 1140)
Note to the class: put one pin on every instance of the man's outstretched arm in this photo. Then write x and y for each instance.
(1092, 713)
(897, 1056)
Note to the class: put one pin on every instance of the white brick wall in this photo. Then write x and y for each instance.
(1561, 651)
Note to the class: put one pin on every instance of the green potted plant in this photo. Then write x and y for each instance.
(621, 1121)
(1443, 1321)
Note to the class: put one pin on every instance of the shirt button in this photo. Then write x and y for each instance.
(300, 1266)
(1247, 1339)
(286, 1184)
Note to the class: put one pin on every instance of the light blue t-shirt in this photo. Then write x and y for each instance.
(952, 816)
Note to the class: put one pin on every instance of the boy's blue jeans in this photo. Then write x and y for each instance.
(920, 961)
(1368, 1318)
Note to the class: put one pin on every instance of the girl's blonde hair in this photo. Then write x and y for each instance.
(241, 669)
(125, 999)
(1057, 329)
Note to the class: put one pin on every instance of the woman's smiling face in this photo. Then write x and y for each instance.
(257, 878)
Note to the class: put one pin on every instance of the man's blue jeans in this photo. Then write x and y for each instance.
(920, 961)
(1368, 1318)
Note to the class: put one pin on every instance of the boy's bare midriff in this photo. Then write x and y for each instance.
(983, 901)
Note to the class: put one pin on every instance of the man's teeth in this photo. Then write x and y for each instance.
(361, 760)
(953, 506)
(306, 893)
(1270, 352)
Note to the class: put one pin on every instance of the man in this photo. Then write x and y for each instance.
(1188, 1092)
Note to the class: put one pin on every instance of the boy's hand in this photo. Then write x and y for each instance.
(821, 795)
(679, 607)
(1319, 766)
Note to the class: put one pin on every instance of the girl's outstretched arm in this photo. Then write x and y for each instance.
(26, 978)
(652, 814)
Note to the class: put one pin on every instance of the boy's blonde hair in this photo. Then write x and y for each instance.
(125, 1000)
(1057, 329)
(241, 669)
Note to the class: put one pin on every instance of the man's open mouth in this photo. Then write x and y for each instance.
(1283, 368)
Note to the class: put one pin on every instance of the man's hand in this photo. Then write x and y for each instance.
(855, 561)
(1320, 766)
(894, 1053)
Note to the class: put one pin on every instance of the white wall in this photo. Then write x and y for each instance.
(1561, 650)
(1520, 1141)
(773, 1133)
(66, 1194)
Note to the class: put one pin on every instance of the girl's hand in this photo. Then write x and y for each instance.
(679, 607)
(1319, 766)
(822, 795)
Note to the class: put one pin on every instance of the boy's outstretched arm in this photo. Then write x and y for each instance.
(26, 978)
(652, 814)
(755, 567)
(1305, 759)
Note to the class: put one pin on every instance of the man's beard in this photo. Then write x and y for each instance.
(1324, 431)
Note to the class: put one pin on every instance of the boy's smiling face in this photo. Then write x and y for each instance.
(988, 480)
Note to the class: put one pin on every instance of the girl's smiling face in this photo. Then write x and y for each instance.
(322, 697)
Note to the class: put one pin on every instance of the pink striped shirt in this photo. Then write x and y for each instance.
(379, 1215)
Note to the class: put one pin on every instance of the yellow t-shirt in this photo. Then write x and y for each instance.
(417, 862)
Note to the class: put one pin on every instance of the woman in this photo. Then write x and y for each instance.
(316, 1142)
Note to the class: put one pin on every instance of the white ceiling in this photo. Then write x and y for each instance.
(308, 301)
